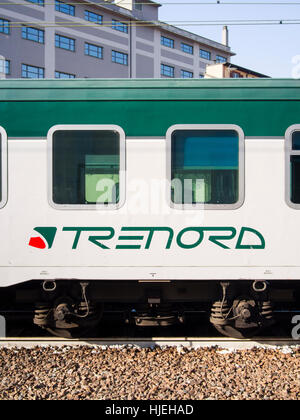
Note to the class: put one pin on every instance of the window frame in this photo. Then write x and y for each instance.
(124, 56)
(88, 17)
(87, 46)
(6, 26)
(4, 174)
(38, 2)
(58, 39)
(183, 74)
(220, 59)
(57, 72)
(167, 42)
(122, 173)
(138, 5)
(58, 5)
(205, 54)
(34, 67)
(241, 167)
(117, 25)
(288, 146)
(187, 48)
(163, 67)
(6, 66)
(235, 75)
(25, 34)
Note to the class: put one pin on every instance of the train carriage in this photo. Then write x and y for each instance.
(150, 197)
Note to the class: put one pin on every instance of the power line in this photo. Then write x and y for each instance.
(184, 25)
(217, 2)
(15, 24)
(233, 3)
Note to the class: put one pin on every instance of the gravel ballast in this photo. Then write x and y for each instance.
(133, 373)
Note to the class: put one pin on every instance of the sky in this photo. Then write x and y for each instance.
(273, 50)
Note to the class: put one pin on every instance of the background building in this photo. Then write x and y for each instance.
(229, 70)
(50, 38)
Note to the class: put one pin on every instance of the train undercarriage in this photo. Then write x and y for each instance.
(71, 308)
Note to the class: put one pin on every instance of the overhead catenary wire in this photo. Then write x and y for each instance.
(131, 23)
(139, 23)
(214, 3)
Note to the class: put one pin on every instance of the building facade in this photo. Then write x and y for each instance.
(55, 39)
(232, 71)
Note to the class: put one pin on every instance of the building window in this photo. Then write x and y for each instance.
(93, 17)
(93, 50)
(120, 58)
(4, 26)
(205, 54)
(292, 138)
(220, 59)
(4, 66)
(138, 5)
(32, 72)
(235, 75)
(3, 167)
(119, 26)
(187, 48)
(39, 2)
(64, 8)
(64, 42)
(186, 74)
(167, 42)
(167, 71)
(201, 76)
(88, 165)
(33, 34)
(61, 75)
(206, 166)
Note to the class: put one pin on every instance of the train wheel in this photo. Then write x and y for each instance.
(71, 333)
(229, 331)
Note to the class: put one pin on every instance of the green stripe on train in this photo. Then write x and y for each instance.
(261, 107)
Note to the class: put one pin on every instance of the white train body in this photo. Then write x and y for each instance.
(199, 186)
(146, 205)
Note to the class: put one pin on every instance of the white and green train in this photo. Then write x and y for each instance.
(153, 197)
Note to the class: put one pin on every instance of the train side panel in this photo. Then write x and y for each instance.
(142, 239)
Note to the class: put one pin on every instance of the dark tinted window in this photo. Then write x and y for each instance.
(205, 166)
(296, 140)
(295, 179)
(86, 167)
(0, 167)
(293, 169)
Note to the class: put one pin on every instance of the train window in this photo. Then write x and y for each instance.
(3, 167)
(87, 165)
(296, 140)
(293, 166)
(206, 166)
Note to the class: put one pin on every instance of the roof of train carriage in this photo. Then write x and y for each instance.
(148, 107)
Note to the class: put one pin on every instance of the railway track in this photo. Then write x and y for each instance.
(189, 342)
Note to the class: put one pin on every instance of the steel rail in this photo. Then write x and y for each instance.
(188, 342)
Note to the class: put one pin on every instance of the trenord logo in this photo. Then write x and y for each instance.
(136, 238)
(45, 238)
